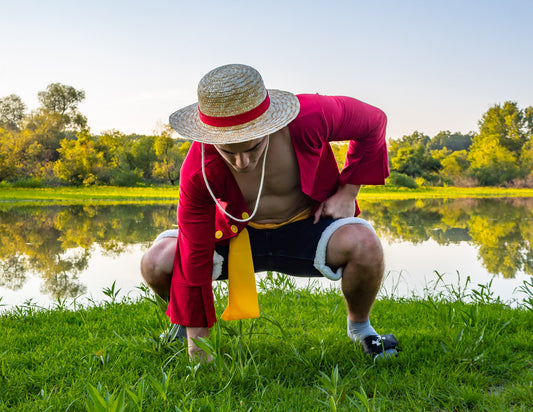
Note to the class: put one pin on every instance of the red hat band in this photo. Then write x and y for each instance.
(238, 119)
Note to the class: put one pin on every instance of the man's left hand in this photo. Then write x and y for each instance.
(341, 204)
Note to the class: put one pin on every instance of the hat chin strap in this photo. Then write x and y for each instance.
(258, 194)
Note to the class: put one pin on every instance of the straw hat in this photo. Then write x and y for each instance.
(234, 106)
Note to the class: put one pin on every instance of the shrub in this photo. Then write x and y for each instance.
(30, 183)
(402, 180)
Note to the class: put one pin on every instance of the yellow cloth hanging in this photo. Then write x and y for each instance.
(242, 292)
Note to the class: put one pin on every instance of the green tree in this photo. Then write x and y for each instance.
(412, 140)
(526, 158)
(491, 163)
(143, 156)
(61, 102)
(36, 146)
(170, 154)
(8, 166)
(12, 111)
(80, 163)
(500, 151)
(455, 164)
(451, 141)
(409, 156)
(111, 143)
(508, 123)
(25, 155)
(526, 155)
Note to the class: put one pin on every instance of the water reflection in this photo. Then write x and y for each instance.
(501, 229)
(55, 243)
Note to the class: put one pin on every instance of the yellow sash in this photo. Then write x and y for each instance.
(242, 292)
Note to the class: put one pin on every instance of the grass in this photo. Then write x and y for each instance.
(460, 351)
(159, 195)
(84, 195)
(390, 192)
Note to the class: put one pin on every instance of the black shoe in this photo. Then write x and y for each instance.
(380, 347)
(173, 333)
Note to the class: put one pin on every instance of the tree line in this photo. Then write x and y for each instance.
(500, 153)
(53, 146)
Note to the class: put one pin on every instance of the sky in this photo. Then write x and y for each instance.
(430, 65)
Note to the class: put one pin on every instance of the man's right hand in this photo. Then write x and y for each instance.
(194, 351)
(339, 205)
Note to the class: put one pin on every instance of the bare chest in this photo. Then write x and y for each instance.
(281, 196)
(282, 174)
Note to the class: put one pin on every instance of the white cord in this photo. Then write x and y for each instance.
(258, 194)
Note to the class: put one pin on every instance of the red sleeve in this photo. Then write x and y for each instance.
(348, 119)
(191, 295)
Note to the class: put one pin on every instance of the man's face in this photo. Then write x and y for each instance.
(243, 157)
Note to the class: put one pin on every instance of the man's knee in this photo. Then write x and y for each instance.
(157, 263)
(356, 243)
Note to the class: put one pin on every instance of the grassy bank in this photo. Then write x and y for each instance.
(117, 195)
(84, 195)
(387, 192)
(296, 357)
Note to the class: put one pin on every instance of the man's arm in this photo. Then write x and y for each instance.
(191, 298)
(192, 335)
(191, 303)
(364, 126)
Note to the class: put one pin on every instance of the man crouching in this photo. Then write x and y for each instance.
(260, 190)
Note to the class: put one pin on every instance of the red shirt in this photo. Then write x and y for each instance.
(321, 119)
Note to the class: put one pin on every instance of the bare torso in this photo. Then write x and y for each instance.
(282, 196)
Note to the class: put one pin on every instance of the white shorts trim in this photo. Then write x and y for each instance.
(166, 233)
(320, 255)
(218, 260)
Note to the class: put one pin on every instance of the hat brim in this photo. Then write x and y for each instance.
(284, 107)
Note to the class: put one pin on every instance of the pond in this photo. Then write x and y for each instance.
(65, 252)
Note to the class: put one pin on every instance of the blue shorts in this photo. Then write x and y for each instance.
(297, 249)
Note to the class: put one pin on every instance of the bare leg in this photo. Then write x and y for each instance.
(358, 250)
(157, 264)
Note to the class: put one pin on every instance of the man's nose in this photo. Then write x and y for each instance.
(242, 160)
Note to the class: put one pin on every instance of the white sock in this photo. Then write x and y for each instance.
(357, 331)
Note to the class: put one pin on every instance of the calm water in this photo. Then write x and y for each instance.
(55, 252)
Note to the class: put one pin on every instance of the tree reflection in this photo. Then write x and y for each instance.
(501, 229)
(56, 242)
(63, 285)
(13, 272)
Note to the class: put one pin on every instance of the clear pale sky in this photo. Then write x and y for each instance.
(430, 65)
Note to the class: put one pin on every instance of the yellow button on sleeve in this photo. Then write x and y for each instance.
(218, 234)
(245, 215)
(234, 228)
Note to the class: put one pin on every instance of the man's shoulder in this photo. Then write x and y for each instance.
(311, 113)
(309, 103)
(319, 108)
